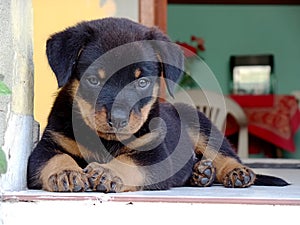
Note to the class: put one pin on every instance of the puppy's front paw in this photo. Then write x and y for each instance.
(103, 179)
(67, 180)
(239, 178)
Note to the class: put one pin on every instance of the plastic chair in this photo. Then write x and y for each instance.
(216, 107)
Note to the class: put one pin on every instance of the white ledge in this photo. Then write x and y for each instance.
(289, 195)
(186, 205)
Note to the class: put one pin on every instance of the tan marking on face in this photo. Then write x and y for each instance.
(101, 73)
(97, 121)
(136, 121)
(101, 125)
(87, 111)
(137, 73)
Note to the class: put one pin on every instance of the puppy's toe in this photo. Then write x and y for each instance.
(103, 179)
(67, 181)
(204, 174)
(239, 178)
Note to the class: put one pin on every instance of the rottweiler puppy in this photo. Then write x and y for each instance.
(108, 129)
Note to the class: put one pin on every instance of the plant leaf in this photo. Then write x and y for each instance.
(4, 90)
(3, 162)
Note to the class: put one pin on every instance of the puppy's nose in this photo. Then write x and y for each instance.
(118, 118)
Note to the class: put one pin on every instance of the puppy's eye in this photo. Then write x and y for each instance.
(93, 81)
(143, 83)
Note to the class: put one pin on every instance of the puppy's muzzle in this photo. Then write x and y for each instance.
(118, 118)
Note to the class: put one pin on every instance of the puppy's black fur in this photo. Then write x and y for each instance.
(108, 130)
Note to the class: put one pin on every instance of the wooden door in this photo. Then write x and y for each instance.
(153, 13)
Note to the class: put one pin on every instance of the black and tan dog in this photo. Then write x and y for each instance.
(108, 131)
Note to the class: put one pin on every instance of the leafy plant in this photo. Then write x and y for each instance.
(3, 162)
(4, 90)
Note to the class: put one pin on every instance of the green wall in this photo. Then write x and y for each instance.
(234, 29)
(237, 29)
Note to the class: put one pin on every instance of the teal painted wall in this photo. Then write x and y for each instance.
(237, 29)
(241, 30)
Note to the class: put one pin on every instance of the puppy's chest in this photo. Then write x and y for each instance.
(104, 151)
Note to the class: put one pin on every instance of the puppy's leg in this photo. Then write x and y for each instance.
(229, 171)
(119, 175)
(232, 173)
(61, 173)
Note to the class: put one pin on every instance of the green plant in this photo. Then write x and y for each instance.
(187, 81)
(4, 90)
(3, 162)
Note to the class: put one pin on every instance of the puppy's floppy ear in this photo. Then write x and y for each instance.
(63, 49)
(171, 57)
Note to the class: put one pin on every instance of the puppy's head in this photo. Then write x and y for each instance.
(114, 65)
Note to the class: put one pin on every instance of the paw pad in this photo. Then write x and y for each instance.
(204, 174)
(239, 178)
